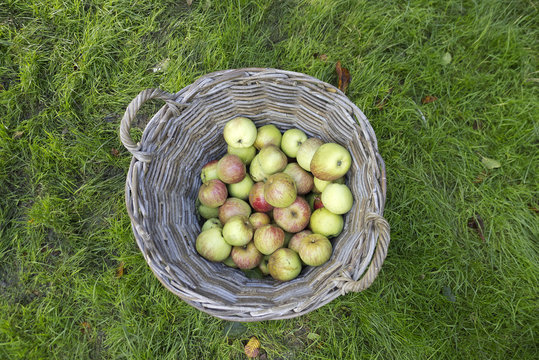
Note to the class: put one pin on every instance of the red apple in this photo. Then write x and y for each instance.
(295, 217)
(209, 171)
(303, 180)
(284, 264)
(259, 219)
(280, 190)
(230, 169)
(246, 257)
(315, 249)
(268, 238)
(295, 242)
(257, 199)
(213, 193)
(232, 207)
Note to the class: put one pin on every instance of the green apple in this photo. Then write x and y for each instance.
(319, 185)
(337, 198)
(315, 249)
(209, 171)
(272, 159)
(240, 132)
(306, 151)
(211, 223)
(212, 246)
(330, 162)
(284, 264)
(291, 141)
(326, 223)
(257, 174)
(268, 135)
(238, 230)
(205, 211)
(245, 154)
(241, 190)
(229, 262)
(280, 190)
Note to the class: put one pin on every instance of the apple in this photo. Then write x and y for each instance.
(240, 132)
(241, 189)
(229, 262)
(268, 238)
(294, 217)
(295, 242)
(291, 141)
(246, 257)
(284, 264)
(257, 174)
(213, 193)
(326, 223)
(315, 249)
(257, 199)
(337, 198)
(306, 152)
(232, 207)
(205, 211)
(268, 135)
(238, 230)
(263, 266)
(272, 159)
(303, 180)
(330, 162)
(211, 223)
(259, 219)
(212, 246)
(319, 185)
(230, 169)
(314, 201)
(280, 190)
(209, 171)
(245, 154)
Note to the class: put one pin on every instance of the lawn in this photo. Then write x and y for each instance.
(450, 88)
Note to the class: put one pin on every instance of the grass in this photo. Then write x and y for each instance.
(69, 68)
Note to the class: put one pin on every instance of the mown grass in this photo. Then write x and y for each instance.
(69, 68)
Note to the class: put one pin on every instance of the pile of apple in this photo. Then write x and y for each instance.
(273, 201)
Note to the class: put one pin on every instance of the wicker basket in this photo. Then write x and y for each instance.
(163, 181)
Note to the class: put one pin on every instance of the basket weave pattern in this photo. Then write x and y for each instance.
(186, 133)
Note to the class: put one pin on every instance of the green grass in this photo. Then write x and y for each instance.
(68, 69)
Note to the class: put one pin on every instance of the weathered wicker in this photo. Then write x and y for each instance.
(163, 181)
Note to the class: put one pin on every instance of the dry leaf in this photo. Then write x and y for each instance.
(343, 76)
(477, 125)
(85, 327)
(478, 225)
(322, 57)
(490, 163)
(189, 2)
(17, 135)
(446, 58)
(252, 349)
(428, 99)
(114, 152)
(121, 271)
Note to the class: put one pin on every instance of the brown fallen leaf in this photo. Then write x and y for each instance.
(477, 125)
(85, 327)
(115, 152)
(476, 223)
(319, 56)
(121, 270)
(343, 77)
(252, 349)
(428, 99)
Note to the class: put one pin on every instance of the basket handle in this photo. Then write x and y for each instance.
(129, 116)
(382, 228)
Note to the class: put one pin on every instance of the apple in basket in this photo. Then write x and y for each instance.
(259, 219)
(246, 257)
(245, 154)
(230, 169)
(326, 223)
(240, 132)
(280, 190)
(211, 223)
(209, 171)
(330, 162)
(212, 246)
(232, 207)
(337, 198)
(272, 159)
(306, 152)
(205, 211)
(268, 238)
(294, 217)
(257, 174)
(315, 249)
(303, 180)
(213, 193)
(263, 266)
(238, 230)
(284, 264)
(268, 135)
(291, 141)
(241, 189)
(257, 199)
(295, 242)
